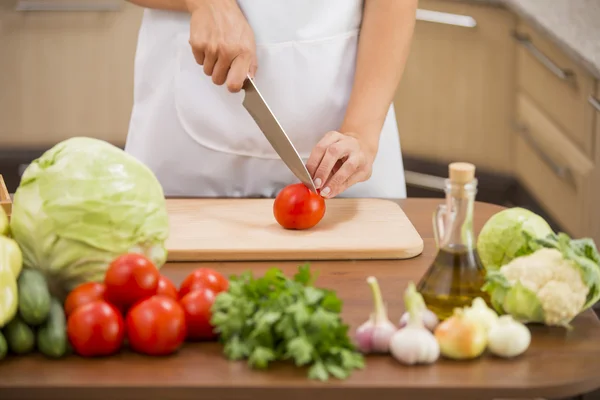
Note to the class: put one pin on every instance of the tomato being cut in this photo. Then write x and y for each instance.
(156, 326)
(196, 306)
(297, 207)
(129, 279)
(84, 294)
(167, 288)
(203, 278)
(96, 329)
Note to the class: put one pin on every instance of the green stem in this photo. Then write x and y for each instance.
(415, 305)
(380, 312)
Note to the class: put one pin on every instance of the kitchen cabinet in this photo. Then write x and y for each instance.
(557, 84)
(66, 73)
(556, 142)
(456, 97)
(592, 201)
(552, 168)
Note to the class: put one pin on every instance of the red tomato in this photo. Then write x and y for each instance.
(129, 279)
(84, 294)
(296, 207)
(156, 326)
(167, 288)
(203, 278)
(196, 306)
(96, 329)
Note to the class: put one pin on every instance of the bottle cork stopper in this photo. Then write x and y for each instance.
(461, 172)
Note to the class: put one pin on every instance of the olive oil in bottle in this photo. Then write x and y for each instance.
(456, 275)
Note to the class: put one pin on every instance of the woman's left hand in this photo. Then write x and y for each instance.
(339, 161)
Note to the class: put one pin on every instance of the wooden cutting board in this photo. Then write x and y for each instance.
(245, 229)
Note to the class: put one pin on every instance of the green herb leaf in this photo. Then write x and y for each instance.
(313, 295)
(303, 276)
(300, 350)
(331, 302)
(260, 357)
(336, 370)
(235, 349)
(274, 318)
(299, 313)
(318, 371)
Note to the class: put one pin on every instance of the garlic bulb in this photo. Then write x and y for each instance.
(414, 344)
(508, 338)
(374, 335)
(430, 320)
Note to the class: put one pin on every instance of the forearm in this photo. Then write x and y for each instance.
(383, 48)
(171, 5)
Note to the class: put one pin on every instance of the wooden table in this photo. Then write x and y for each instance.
(558, 364)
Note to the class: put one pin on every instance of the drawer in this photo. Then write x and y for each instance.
(550, 166)
(557, 85)
(592, 197)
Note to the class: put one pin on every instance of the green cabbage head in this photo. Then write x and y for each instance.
(83, 203)
(507, 235)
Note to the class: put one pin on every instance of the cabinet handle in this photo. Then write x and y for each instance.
(424, 181)
(563, 74)
(561, 171)
(76, 5)
(439, 17)
(594, 102)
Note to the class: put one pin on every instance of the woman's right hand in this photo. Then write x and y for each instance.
(222, 41)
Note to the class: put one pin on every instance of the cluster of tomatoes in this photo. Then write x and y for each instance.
(137, 304)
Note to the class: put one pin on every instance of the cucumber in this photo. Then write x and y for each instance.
(19, 336)
(34, 297)
(3, 347)
(52, 335)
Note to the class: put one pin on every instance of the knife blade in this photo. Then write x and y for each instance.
(257, 107)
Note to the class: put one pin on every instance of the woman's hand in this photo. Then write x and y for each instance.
(339, 161)
(222, 41)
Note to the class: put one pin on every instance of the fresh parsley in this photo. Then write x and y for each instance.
(273, 318)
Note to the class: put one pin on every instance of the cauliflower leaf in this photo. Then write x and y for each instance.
(552, 285)
(584, 254)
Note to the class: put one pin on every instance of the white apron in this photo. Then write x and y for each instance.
(200, 141)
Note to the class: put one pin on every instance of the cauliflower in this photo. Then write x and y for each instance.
(551, 285)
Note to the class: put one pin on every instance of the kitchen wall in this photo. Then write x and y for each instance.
(510, 85)
(66, 73)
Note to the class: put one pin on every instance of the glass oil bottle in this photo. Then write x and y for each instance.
(456, 275)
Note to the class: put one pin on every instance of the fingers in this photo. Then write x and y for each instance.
(210, 59)
(198, 55)
(317, 154)
(337, 162)
(340, 150)
(240, 67)
(349, 173)
(229, 64)
(221, 69)
(253, 67)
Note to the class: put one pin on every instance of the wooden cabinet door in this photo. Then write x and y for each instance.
(66, 74)
(456, 97)
(552, 168)
(592, 196)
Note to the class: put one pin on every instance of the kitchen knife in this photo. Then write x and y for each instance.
(270, 127)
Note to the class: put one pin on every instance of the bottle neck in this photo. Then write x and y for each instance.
(460, 202)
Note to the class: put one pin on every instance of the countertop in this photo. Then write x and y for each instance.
(559, 363)
(573, 25)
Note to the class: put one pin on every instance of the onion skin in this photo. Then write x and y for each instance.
(460, 337)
